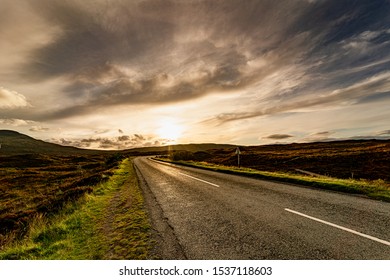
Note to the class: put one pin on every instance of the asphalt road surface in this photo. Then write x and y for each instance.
(199, 214)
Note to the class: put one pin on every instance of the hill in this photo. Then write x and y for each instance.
(193, 148)
(13, 143)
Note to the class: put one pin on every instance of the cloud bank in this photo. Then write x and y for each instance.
(153, 52)
(16, 122)
(113, 143)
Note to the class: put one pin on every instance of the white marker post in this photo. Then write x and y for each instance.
(238, 153)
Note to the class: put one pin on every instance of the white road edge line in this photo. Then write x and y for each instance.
(200, 180)
(340, 227)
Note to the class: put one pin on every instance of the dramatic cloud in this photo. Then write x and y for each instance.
(344, 96)
(113, 143)
(170, 51)
(247, 63)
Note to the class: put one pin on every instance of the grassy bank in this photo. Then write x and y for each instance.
(109, 223)
(374, 189)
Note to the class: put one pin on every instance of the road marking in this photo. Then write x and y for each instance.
(200, 180)
(340, 227)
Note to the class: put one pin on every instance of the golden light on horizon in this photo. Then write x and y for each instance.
(169, 129)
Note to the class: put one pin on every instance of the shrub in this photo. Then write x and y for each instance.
(181, 155)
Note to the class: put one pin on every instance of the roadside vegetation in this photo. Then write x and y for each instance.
(34, 185)
(376, 189)
(109, 222)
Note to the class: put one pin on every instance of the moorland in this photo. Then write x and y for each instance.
(38, 178)
(358, 159)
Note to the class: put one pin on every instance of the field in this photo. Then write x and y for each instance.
(110, 222)
(33, 185)
(368, 160)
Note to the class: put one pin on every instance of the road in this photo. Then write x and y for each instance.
(200, 214)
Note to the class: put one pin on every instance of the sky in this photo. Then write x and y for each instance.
(131, 73)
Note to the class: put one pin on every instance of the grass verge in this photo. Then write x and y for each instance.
(378, 189)
(109, 223)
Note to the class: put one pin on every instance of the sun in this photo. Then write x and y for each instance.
(169, 129)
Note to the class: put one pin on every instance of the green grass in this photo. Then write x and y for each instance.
(109, 223)
(377, 189)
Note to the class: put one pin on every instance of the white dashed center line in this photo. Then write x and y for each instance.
(340, 227)
(215, 185)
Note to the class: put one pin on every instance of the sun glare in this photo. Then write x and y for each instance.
(169, 129)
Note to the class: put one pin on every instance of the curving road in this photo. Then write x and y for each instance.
(199, 214)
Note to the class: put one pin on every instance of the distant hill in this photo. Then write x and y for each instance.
(13, 143)
(367, 159)
(180, 147)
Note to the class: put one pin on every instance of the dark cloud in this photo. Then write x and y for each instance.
(93, 33)
(385, 132)
(157, 51)
(291, 54)
(139, 137)
(101, 131)
(323, 133)
(62, 141)
(353, 94)
(380, 96)
(107, 144)
(123, 138)
(368, 137)
(91, 140)
(345, 60)
(279, 136)
(320, 136)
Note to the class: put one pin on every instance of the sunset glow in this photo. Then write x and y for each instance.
(170, 130)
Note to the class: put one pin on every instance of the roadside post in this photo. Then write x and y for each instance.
(238, 153)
